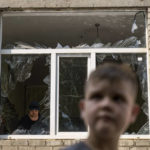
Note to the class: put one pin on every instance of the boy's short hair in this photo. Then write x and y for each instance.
(113, 72)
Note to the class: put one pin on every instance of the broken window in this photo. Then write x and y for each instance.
(72, 75)
(138, 64)
(24, 78)
(92, 29)
(25, 75)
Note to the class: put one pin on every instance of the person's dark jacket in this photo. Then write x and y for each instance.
(27, 126)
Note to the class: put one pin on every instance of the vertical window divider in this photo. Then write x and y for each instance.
(0, 42)
(148, 67)
(92, 62)
(53, 95)
(0, 49)
(57, 96)
(148, 83)
(146, 29)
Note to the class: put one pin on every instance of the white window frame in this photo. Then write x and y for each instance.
(69, 134)
(55, 54)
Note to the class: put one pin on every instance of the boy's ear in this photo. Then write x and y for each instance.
(135, 112)
(81, 106)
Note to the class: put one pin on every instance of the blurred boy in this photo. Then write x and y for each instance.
(108, 107)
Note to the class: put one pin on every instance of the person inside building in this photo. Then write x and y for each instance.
(108, 107)
(32, 122)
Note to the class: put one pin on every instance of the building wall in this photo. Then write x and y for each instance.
(72, 3)
(37, 144)
(126, 144)
(60, 144)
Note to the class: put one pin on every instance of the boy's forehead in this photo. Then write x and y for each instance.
(103, 82)
(114, 82)
(96, 84)
(114, 86)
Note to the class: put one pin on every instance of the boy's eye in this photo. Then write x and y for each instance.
(118, 98)
(96, 96)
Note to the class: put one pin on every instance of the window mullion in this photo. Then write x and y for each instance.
(148, 67)
(148, 83)
(0, 48)
(53, 95)
(57, 97)
(0, 40)
(92, 63)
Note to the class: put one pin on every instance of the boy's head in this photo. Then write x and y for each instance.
(109, 106)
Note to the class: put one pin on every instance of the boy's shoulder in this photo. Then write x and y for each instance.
(78, 146)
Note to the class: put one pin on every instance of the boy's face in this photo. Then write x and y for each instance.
(109, 108)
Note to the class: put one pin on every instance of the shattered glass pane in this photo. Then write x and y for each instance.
(72, 75)
(73, 30)
(25, 78)
(130, 42)
(23, 45)
(138, 63)
(19, 69)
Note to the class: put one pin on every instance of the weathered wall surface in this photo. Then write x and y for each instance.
(59, 144)
(73, 3)
(127, 144)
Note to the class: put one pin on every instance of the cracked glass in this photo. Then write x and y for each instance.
(72, 75)
(93, 29)
(24, 79)
(138, 63)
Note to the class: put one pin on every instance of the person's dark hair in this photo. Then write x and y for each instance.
(34, 105)
(113, 72)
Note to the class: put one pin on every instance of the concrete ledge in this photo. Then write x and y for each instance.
(73, 3)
